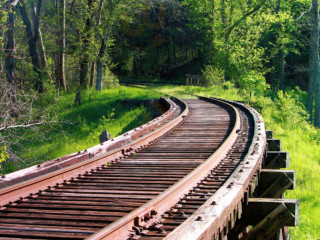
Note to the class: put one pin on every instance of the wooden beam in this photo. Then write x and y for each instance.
(273, 183)
(269, 134)
(274, 144)
(276, 160)
(269, 226)
(262, 210)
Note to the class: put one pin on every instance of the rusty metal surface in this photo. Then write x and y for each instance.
(144, 193)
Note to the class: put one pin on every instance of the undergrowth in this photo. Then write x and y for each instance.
(79, 126)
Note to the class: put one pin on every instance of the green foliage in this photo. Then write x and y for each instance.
(302, 230)
(109, 79)
(3, 19)
(289, 111)
(253, 83)
(4, 155)
(213, 75)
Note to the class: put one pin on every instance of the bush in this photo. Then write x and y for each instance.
(4, 155)
(213, 75)
(289, 111)
(109, 79)
(253, 83)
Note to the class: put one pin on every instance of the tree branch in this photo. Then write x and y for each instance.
(305, 12)
(243, 18)
(28, 125)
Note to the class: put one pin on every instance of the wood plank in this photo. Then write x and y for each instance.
(274, 145)
(259, 208)
(273, 183)
(269, 134)
(276, 160)
(271, 224)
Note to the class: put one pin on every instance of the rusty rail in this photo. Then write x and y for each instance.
(222, 209)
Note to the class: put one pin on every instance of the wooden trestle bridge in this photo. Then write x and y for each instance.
(204, 169)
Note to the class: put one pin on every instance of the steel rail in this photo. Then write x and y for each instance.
(23, 189)
(218, 212)
(157, 206)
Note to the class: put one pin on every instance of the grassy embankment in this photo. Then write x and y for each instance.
(81, 125)
(284, 115)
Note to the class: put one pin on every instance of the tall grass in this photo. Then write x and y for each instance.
(81, 125)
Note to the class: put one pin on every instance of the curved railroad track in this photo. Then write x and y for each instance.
(184, 175)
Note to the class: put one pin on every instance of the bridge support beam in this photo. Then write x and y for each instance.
(273, 183)
(276, 160)
(261, 210)
(274, 144)
(269, 214)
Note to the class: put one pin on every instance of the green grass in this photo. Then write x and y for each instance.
(81, 125)
(298, 138)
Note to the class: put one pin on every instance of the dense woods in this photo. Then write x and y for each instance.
(48, 47)
(59, 45)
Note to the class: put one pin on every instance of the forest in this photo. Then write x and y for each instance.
(263, 52)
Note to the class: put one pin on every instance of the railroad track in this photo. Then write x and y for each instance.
(185, 175)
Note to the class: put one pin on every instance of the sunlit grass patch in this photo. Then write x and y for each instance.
(81, 125)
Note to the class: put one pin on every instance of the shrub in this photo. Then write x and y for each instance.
(109, 79)
(289, 111)
(213, 75)
(4, 155)
(253, 83)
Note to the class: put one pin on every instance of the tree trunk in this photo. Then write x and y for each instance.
(168, 52)
(93, 66)
(282, 74)
(42, 51)
(84, 65)
(9, 59)
(174, 52)
(317, 67)
(102, 51)
(32, 46)
(314, 58)
(317, 99)
(186, 52)
(93, 70)
(60, 71)
(35, 11)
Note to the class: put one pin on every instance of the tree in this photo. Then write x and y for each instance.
(84, 64)
(9, 58)
(32, 39)
(314, 69)
(60, 64)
